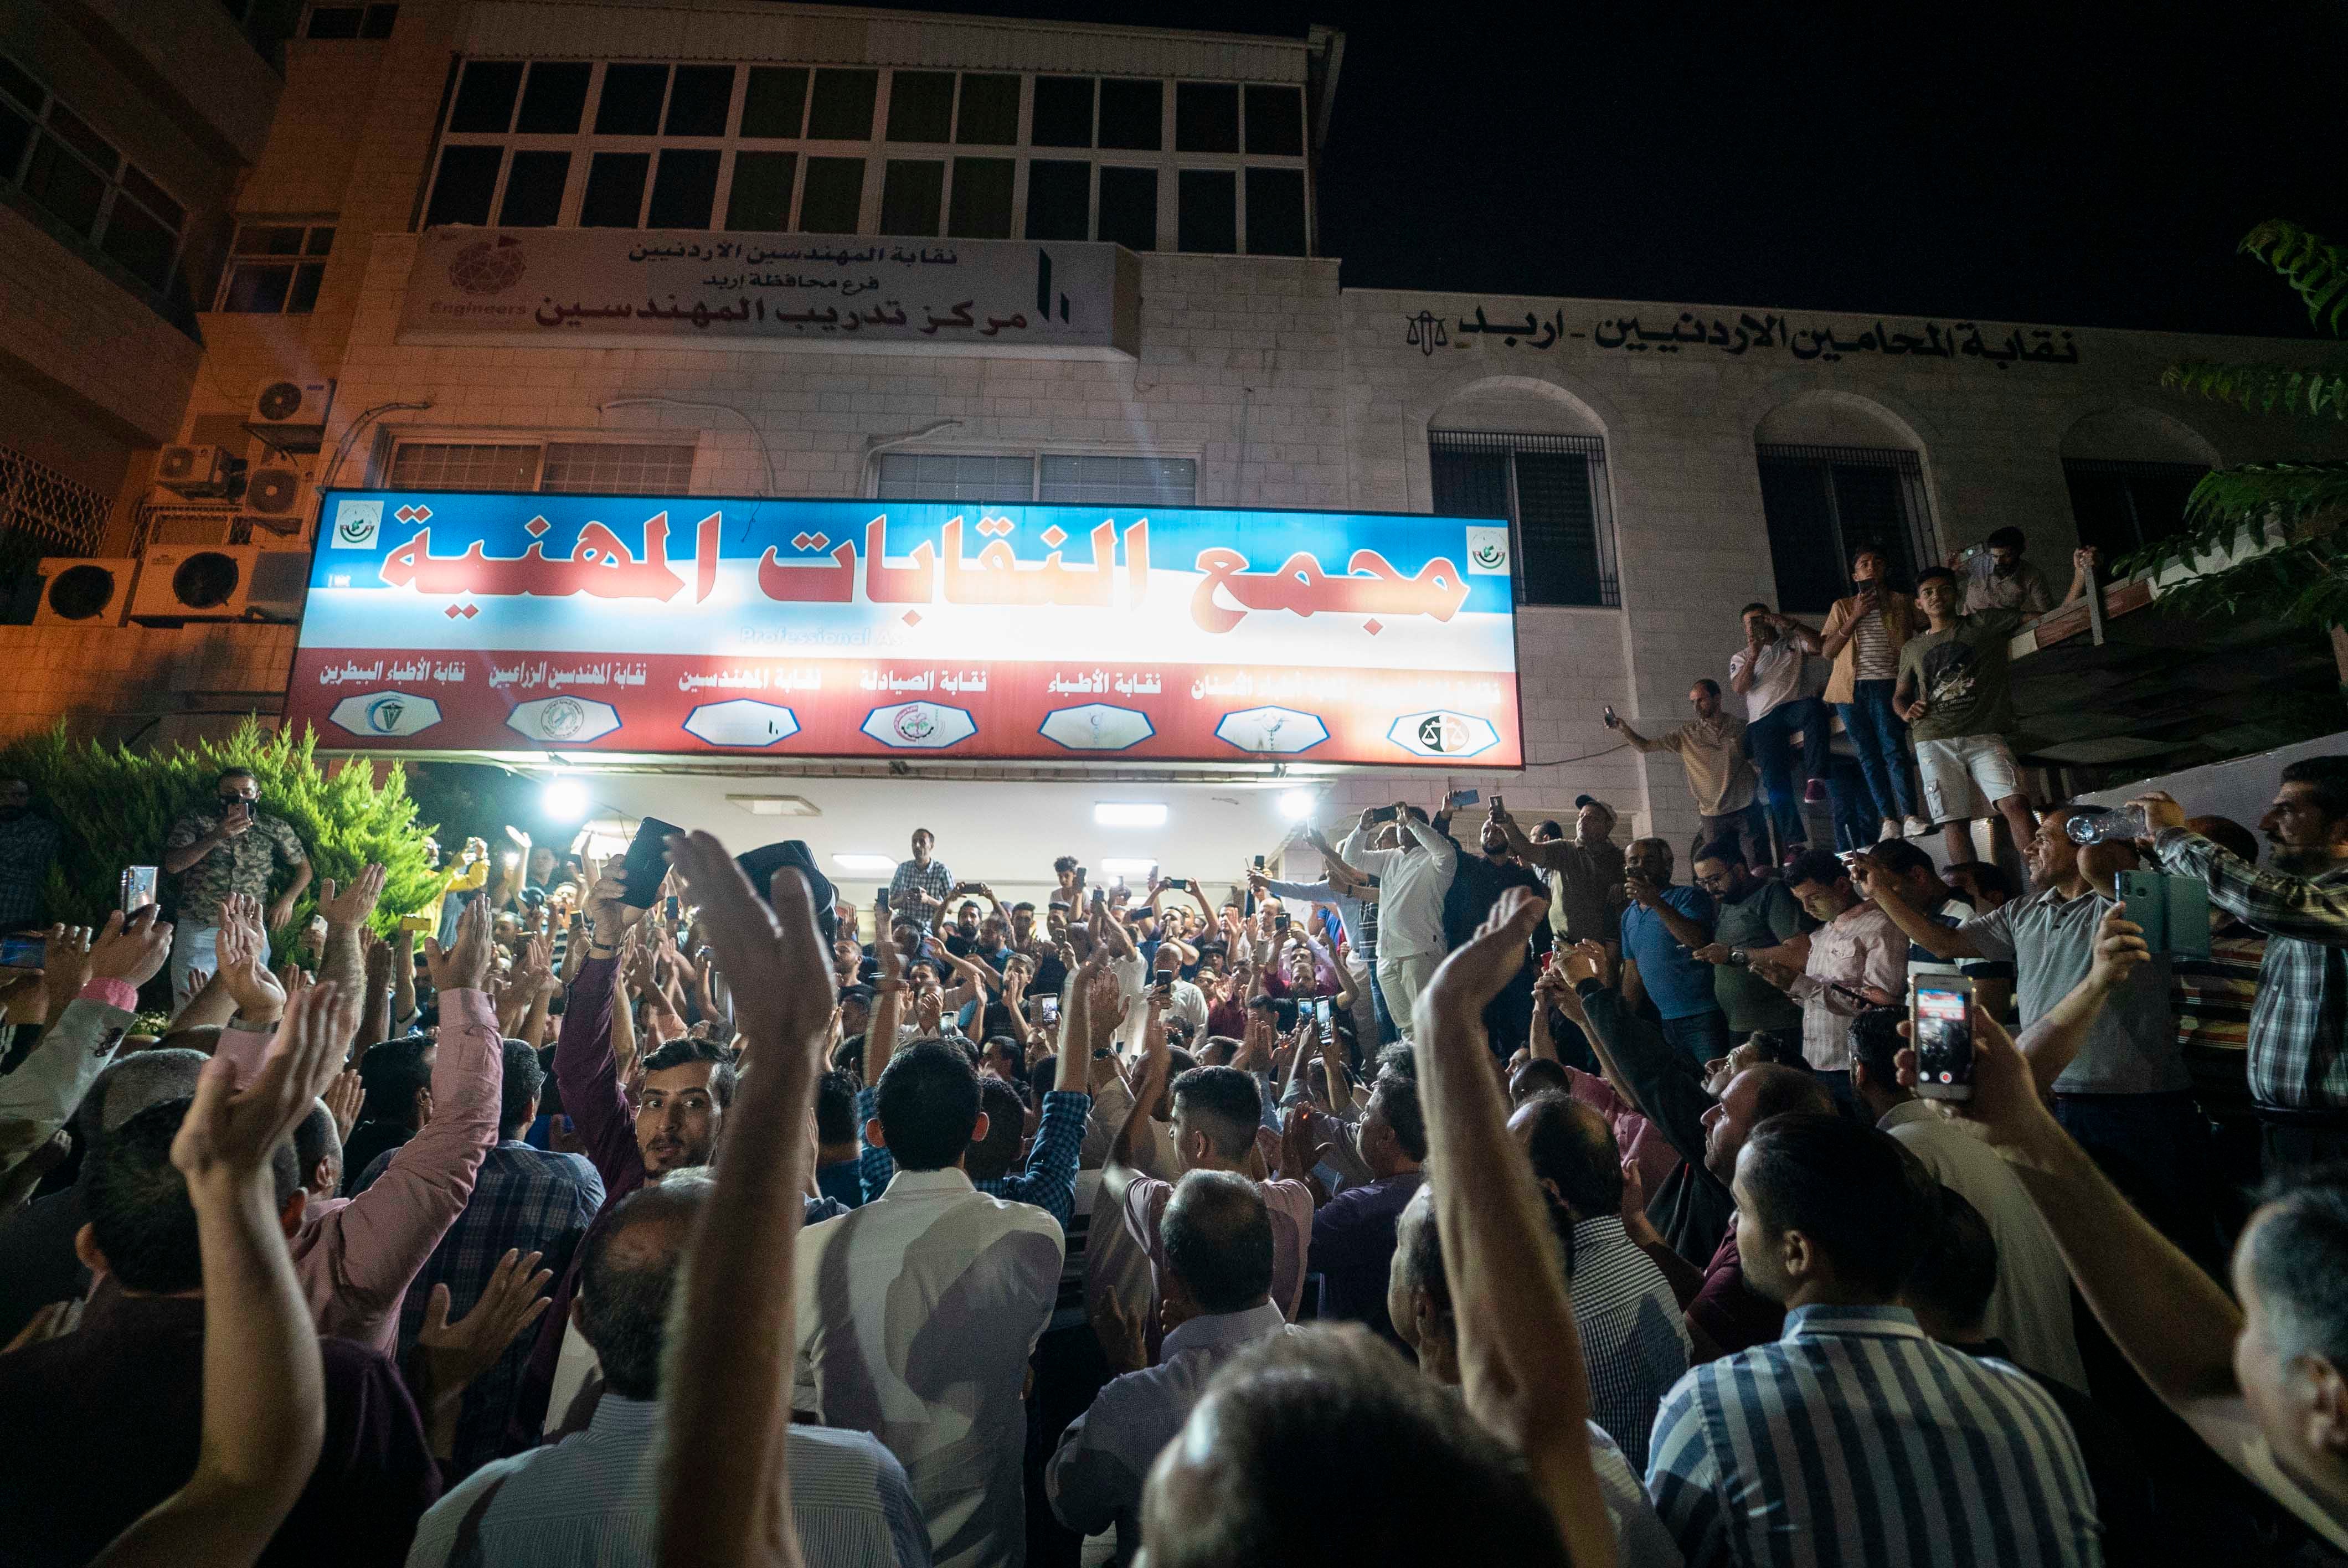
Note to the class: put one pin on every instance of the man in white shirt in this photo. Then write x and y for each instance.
(1857, 959)
(1215, 1298)
(595, 1497)
(918, 1312)
(1770, 673)
(1413, 876)
(2030, 1310)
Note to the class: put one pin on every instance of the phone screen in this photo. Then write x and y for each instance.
(1460, 797)
(137, 888)
(1321, 1012)
(23, 953)
(1047, 1008)
(1943, 1024)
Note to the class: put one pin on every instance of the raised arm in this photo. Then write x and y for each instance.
(1519, 1353)
(726, 1495)
(264, 1399)
(1440, 846)
(1547, 857)
(346, 908)
(2273, 901)
(1875, 879)
(93, 987)
(2051, 1043)
(585, 1069)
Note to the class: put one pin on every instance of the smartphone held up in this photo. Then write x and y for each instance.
(1941, 1024)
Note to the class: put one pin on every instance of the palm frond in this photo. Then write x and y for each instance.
(2263, 388)
(2309, 263)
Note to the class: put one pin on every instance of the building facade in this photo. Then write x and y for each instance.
(1662, 462)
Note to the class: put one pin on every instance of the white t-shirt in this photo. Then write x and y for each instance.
(1777, 677)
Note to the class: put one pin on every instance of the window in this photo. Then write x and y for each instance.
(275, 267)
(1215, 167)
(1823, 503)
(2122, 506)
(83, 181)
(1553, 490)
(351, 21)
(573, 468)
(1051, 479)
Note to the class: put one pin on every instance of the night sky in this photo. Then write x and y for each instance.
(2053, 162)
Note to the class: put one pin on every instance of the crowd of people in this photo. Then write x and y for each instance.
(1473, 1182)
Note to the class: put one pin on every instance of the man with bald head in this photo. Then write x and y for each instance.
(1215, 1300)
(1632, 1338)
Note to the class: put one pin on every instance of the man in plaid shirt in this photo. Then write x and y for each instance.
(527, 1199)
(920, 889)
(2299, 1069)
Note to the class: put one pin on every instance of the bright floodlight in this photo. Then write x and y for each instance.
(1296, 804)
(1129, 813)
(565, 800)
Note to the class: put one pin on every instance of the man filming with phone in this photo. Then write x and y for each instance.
(215, 853)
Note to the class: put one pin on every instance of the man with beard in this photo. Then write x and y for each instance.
(2125, 1094)
(2299, 1073)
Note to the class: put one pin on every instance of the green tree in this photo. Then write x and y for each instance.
(2264, 539)
(116, 807)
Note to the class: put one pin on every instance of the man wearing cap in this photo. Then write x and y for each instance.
(1584, 877)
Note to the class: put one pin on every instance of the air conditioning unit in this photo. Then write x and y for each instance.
(278, 506)
(290, 415)
(197, 471)
(187, 525)
(85, 592)
(232, 582)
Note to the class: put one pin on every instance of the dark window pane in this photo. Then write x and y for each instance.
(1132, 115)
(320, 243)
(64, 185)
(555, 98)
(257, 289)
(630, 104)
(920, 106)
(1556, 530)
(775, 103)
(615, 189)
(269, 239)
(1206, 203)
(2159, 502)
(307, 279)
(151, 195)
(990, 111)
(534, 189)
(485, 99)
(1063, 112)
(380, 20)
(1128, 207)
(1206, 117)
(1275, 211)
(15, 135)
(141, 242)
(910, 196)
(835, 191)
(1469, 484)
(70, 128)
(982, 199)
(1870, 514)
(468, 175)
(20, 87)
(1802, 549)
(686, 189)
(1276, 121)
(337, 21)
(761, 197)
(698, 103)
(841, 108)
(1059, 201)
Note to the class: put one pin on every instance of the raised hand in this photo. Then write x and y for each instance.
(1475, 971)
(65, 966)
(2006, 1107)
(771, 950)
(454, 1354)
(229, 1136)
(132, 950)
(353, 903)
(464, 966)
(258, 996)
(345, 1097)
(608, 911)
(2120, 947)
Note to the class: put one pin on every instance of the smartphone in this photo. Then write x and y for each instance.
(1940, 1012)
(674, 908)
(1383, 813)
(1100, 896)
(1496, 807)
(137, 888)
(1460, 797)
(1259, 863)
(2173, 911)
(23, 953)
(647, 863)
(1047, 1008)
(424, 922)
(1612, 722)
(1179, 884)
(1321, 1013)
(880, 907)
(1280, 921)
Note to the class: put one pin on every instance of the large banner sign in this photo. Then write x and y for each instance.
(459, 622)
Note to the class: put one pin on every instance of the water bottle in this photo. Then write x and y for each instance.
(2126, 824)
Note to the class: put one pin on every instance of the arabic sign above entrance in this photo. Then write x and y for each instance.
(466, 621)
(603, 288)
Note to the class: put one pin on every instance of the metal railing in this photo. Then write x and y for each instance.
(44, 513)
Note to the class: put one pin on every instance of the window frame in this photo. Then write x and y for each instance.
(538, 443)
(877, 152)
(1906, 463)
(115, 191)
(1606, 557)
(296, 260)
(1034, 459)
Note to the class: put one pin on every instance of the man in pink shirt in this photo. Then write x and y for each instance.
(1857, 959)
(355, 1256)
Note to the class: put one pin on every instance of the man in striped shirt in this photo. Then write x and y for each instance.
(1855, 1437)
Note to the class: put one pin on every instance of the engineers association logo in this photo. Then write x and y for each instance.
(356, 525)
(1487, 552)
(488, 266)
